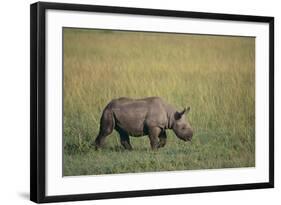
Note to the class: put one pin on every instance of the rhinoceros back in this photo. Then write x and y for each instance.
(134, 116)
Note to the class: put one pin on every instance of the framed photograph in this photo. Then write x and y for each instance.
(129, 102)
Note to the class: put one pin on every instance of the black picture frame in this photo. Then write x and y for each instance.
(38, 101)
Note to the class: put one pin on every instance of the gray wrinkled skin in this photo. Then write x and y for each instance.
(138, 117)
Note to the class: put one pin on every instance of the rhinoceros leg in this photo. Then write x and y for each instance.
(125, 141)
(154, 132)
(106, 128)
(124, 138)
(163, 139)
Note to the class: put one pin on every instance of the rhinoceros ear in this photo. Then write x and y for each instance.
(178, 115)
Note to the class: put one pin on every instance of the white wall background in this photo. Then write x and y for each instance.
(14, 100)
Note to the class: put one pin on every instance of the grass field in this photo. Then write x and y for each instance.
(214, 75)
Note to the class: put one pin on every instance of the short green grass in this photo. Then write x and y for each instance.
(214, 75)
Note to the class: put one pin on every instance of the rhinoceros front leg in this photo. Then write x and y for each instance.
(163, 139)
(154, 132)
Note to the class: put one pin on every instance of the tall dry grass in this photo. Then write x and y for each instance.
(215, 75)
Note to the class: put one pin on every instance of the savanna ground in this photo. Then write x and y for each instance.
(214, 75)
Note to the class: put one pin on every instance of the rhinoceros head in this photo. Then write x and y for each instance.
(181, 126)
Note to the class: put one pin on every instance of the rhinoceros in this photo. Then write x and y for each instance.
(139, 117)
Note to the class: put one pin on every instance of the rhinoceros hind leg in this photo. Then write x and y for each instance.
(124, 139)
(99, 142)
(106, 128)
